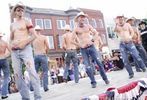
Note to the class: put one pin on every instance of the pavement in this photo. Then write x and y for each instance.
(76, 91)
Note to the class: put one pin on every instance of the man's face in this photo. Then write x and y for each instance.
(81, 19)
(19, 11)
(142, 26)
(121, 20)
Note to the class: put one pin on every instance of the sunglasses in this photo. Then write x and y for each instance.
(20, 10)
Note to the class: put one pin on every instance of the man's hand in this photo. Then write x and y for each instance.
(19, 44)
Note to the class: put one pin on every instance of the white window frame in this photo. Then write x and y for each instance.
(101, 24)
(94, 23)
(51, 42)
(61, 22)
(50, 24)
(41, 26)
(72, 23)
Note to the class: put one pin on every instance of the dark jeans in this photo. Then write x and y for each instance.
(71, 56)
(92, 52)
(4, 66)
(42, 61)
(125, 47)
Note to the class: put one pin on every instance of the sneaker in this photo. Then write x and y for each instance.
(93, 85)
(46, 90)
(131, 76)
(4, 97)
(144, 70)
(107, 81)
(138, 70)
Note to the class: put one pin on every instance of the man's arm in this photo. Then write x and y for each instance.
(94, 33)
(47, 45)
(130, 30)
(64, 42)
(31, 30)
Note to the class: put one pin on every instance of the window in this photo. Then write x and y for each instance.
(60, 41)
(104, 38)
(51, 42)
(100, 23)
(93, 23)
(72, 24)
(47, 24)
(86, 21)
(39, 22)
(61, 24)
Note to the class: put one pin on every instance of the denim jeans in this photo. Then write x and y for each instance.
(86, 53)
(71, 55)
(142, 52)
(124, 47)
(18, 58)
(42, 61)
(4, 66)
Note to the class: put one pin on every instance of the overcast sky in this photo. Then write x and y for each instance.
(110, 8)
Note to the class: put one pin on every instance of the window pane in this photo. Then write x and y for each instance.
(39, 22)
(60, 41)
(72, 24)
(47, 24)
(51, 42)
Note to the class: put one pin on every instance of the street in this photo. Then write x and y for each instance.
(76, 91)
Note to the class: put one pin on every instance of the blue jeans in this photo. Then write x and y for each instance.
(4, 66)
(124, 47)
(42, 61)
(71, 55)
(18, 58)
(142, 52)
(86, 53)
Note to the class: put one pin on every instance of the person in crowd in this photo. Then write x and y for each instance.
(71, 53)
(125, 32)
(41, 49)
(83, 33)
(4, 66)
(21, 36)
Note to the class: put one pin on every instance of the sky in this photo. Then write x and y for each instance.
(110, 8)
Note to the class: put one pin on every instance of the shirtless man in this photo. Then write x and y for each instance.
(83, 32)
(4, 66)
(41, 49)
(71, 54)
(22, 34)
(137, 41)
(125, 33)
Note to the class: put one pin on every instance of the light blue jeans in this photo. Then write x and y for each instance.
(4, 66)
(124, 48)
(18, 58)
(42, 61)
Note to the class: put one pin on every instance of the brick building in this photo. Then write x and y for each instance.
(52, 22)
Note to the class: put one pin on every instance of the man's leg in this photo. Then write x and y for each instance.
(125, 60)
(76, 70)
(20, 82)
(6, 71)
(94, 56)
(135, 54)
(67, 61)
(89, 70)
(44, 65)
(142, 53)
(27, 56)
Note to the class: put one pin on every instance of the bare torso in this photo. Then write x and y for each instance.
(68, 41)
(20, 31)
(39, 45)
(124, 33)
(84, 35)
(3, 48)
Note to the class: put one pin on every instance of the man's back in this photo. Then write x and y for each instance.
(39, 45)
